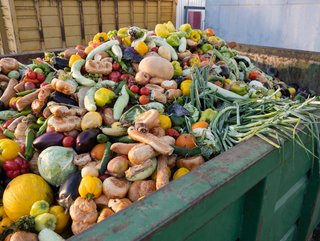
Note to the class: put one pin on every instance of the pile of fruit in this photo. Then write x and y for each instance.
(87, 132)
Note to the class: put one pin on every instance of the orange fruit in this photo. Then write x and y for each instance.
(98, 151)
(209, 32)
(200, 124)
(186, 140)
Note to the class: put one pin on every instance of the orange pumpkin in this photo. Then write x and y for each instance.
(200, 124)
(186, 140)
(98, 151)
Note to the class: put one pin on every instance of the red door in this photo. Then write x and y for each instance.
(194, 18)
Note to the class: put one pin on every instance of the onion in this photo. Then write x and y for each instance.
(115, 187)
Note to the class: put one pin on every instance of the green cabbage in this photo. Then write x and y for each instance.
(55, 164)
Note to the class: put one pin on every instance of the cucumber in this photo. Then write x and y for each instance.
(161, 42)
(116, 50)
(103, 47)
(183, 45)
(123, 139)
(121, 103)
(89, 103)
(187, 152)
(76, 73)
(105, 159)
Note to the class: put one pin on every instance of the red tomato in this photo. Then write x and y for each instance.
(22, 149)
(29, 86)
(154, 49)
(116, 66)
(115, 76)
(144, 99)
(82, 54)
(124, 77)
(172, 132)
(144, 91)
(31, 74)
(253, 75)
(80, 47)
(68, 141)
(41, 77)
(134, 89)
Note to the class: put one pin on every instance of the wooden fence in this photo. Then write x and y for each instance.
(31, 25)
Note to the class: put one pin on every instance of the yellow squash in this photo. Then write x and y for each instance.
(22, 192)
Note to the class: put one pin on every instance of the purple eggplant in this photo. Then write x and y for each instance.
(86, 140)
(48, 139)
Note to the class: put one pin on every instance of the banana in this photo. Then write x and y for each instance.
(142, 171)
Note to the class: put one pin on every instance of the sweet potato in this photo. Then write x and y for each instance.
(162, 172)
(140, 153)
(9, 92)
(122, 148)
(147, 120)
(151, 140)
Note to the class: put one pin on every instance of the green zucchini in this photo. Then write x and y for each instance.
(187, 152)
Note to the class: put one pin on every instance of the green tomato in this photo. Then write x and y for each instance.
(38, 70)
(14, 74)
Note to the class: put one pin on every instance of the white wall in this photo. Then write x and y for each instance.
(293, 24)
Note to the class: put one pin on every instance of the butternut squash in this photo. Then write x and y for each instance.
(157, 67)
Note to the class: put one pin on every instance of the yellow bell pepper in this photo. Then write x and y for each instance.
(123, 32)
(100, 37)
(180, 172)
(169, 25)
(195, 36)
(62, 218)
(103, 96)
(90, 187)
(161, 30)
(4, 220)
(165, 121)
(91, 119)
(9, 149)
(141, 48)
(185, 87)
(39, 207)
(127, 41)
(194, 60)
(213, 40)
(14, 100)
(73, 59)
(186, 28)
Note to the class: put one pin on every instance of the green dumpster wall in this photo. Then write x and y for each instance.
(252, 192)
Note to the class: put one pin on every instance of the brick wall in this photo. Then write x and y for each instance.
(293, 24)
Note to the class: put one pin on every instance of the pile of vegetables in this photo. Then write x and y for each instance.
(95, 128)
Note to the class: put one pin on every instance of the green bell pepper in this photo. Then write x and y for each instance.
(206, 47)
(173, 40)
(177, 68)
